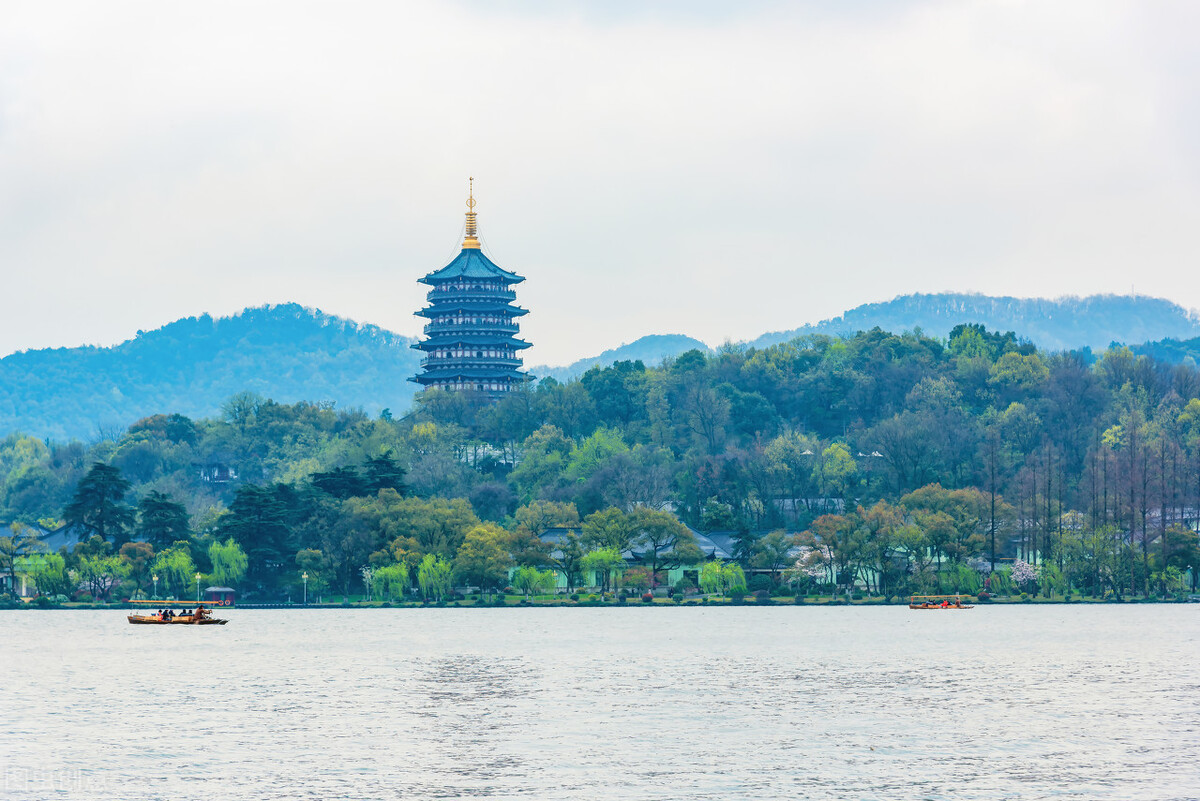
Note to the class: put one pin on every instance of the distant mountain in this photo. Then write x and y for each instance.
(292, 353)
(1060, 324)
(287, 352)
(191, 366)
(650, 349)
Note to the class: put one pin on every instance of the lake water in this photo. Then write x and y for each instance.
(1063, 702)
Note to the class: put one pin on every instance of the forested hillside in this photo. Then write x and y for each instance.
(1172, 351)
(192, 365)
(291, 353)
(1061, 324)
(898, 461)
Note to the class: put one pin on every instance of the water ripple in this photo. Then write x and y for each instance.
(869, 703)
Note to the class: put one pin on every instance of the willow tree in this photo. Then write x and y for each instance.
(434, 577)
(229, 562)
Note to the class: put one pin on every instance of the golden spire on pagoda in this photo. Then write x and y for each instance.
(472, 238)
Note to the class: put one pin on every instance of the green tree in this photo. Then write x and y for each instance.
(1019, 372)
(568, 558)
(340, 482)
(774, 552)
(532, 521)
(608, 528)
(712, 579)
(883, 550)
(593, 453)
(735, 578)
(347, 536)
(790, 459)
(49, 574)
(544, 456)
(175, 570)
(313, 563)
(18, 544)
(161, 520)
(98, 503)
(390, 581)
(483, 559)
(603, 563)
(433, 577)
(229, 562)
(531, 581)
(384, 472)
(137, 556)
(836, 538)
(663, 542)
(969, 511)
(722, 578)
(417, 526)
(258, 522)
(538, 517)
(101, 573)
(836, 472)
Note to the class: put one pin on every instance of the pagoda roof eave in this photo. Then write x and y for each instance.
(472, 372)
(475, 339)
(470, 263)
(511, 311)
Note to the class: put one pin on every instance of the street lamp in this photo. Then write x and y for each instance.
(197, 589)
(155, 577)
(305, 577)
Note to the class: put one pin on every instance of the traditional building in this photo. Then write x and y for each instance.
(470, 339)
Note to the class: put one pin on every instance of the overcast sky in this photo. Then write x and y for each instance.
(714, 169)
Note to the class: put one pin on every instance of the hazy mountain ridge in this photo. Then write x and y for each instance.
(650, 350)
(290, 353)
(1066, 323)
(286, 352)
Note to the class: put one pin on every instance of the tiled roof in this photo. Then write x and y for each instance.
(471, 263)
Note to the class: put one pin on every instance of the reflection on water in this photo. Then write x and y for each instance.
(1002, 702)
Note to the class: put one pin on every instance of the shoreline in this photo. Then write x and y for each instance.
(823, 603)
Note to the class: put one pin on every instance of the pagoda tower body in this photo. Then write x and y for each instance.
(471, 338)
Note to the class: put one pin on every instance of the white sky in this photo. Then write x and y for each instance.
(670, 167)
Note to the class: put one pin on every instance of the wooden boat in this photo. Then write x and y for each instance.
(937, 602)
(199, 617)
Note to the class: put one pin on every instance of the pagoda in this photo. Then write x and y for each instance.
(470, 339)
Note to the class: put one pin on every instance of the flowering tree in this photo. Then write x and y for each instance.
(1023, 574)
(636, 579)
(367, 574)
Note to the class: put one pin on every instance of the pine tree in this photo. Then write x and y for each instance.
(98, 504)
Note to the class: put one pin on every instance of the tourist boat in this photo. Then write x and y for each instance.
(199, 617)
(937, 602)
